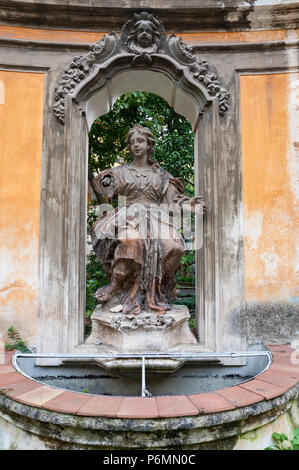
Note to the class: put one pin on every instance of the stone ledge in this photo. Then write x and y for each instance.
(281, 377)
(176, 15)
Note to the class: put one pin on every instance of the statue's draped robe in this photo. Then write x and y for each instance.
(142, 216)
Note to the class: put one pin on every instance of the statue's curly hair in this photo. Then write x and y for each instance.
(149, 136)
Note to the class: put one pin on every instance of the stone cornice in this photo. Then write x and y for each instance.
(176, 16)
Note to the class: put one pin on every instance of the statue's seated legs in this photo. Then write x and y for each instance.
(128, 257)
(127, 276)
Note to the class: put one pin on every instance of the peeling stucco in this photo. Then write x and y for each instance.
(269, 186)
(20, 142)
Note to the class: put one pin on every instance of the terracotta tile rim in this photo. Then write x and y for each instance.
(285, 351)
(157, 415)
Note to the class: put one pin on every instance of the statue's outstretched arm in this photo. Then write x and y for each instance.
(174, 194)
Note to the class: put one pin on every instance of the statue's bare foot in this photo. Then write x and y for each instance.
(106, 293)
(159, 309)
(132, 300)
(165, 305)
(131, 309)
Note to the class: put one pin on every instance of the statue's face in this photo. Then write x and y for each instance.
(144, 34)
(139, 145)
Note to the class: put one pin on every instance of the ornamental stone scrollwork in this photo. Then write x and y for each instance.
(142, 39)
(182, 51)
(79, 69)
(200, 71)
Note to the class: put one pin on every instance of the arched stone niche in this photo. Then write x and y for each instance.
(88, 88)
(101, 100)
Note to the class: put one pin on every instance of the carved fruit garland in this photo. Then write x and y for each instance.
(77, 71)
(211, 82)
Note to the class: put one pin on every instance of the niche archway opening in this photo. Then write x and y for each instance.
(174, 150)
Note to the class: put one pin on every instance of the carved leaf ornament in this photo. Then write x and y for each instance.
(141, 38)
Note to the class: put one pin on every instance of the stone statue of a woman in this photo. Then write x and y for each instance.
(138, 243)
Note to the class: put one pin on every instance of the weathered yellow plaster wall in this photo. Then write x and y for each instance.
(269, 106)
(15, 32)
(235, 36)
(21, 109)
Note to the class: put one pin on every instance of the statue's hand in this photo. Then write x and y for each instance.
(197, 205)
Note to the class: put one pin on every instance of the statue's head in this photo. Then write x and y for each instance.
(146, 134)
(144, 34)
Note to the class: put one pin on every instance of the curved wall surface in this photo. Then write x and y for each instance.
(259, 63)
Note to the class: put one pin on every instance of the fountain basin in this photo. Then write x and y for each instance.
(244, 416)
(192, 377)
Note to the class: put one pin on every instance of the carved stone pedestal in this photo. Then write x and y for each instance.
(143, 333)
(146, 332)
